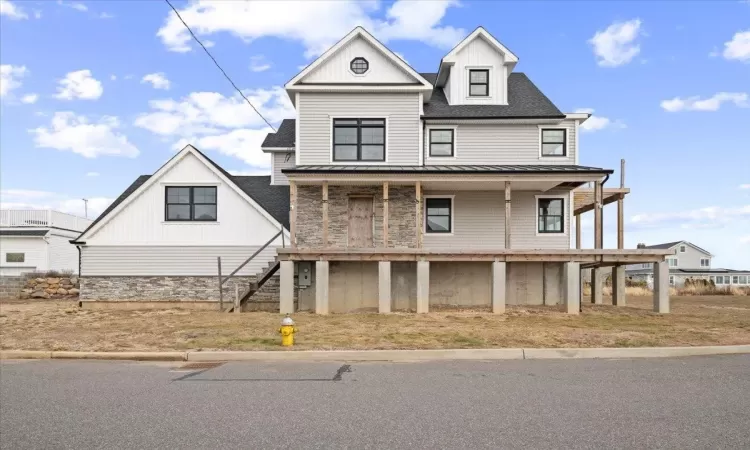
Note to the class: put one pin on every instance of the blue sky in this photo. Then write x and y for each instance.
(96, 93)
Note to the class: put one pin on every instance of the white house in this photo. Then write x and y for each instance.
(38, 240)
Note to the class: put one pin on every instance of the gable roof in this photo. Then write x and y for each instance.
(525, 100)
(267, 198)
(364, 34)
(668, 245)
(283, 138)
(448, 60)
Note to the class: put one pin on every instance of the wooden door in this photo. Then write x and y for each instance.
(360, 222)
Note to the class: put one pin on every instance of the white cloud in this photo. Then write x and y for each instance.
(30, 199)
(745, 186)
(211, 121)
(92, 174)
(79, 84)
(745, 239)
(595, 123)
(617, 45)
(258, 63)
(69, 132)
(317, 25)
(158, 80)
(30, 98)
(10, 78)
(250, 172)
(709, 217)
(739, 47)
(695, 103)
(113, 77)
(75, 5)
(106, 15)
(12, 11)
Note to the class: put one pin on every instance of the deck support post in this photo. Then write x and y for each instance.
(385, 214)
(498, 287)
(661, 287)
(321, 287)
(325, 214)
(571, 278)
(286, 288)
(384, 287)
(508, 222)
(293, 213)
(578, 231)
(598, 236)
(618, 285)
(597, 283)
(423, 287)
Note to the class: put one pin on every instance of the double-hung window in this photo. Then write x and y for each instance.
(554, 142)
(551, 215)
(479, 83)
(672, 262)
(359, 139)
(441, 142)
(190, 203)
(439, 215)
(705, 262)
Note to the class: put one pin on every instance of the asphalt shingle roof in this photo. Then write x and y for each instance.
(454, 169)
(23, 232)
(284, 136)
(524, 100)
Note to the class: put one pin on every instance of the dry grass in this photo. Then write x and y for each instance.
(719, 320)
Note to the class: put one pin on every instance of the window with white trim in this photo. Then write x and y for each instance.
(682, 249)
(671, 280)
(479, 82)
(438, 215)
(672, 262)
(441, 142)
(705, 262)
(15, 257)
(554, 142)
(358, 140)
(190, 203)
(743, 279)
(359, 65)
(736, 279)
(551, 215)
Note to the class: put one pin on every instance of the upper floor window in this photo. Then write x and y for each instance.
(705, 262)
(682, 249)
(551, 215)
(441, 142)
(15, 257)
(191, 203)
(479, 82)
(359, 65)
(359, 139)
(439, 216)
(672, 262)
(554, 142)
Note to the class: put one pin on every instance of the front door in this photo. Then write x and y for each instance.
(360, 222)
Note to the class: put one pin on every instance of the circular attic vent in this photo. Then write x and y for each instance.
(359, 65)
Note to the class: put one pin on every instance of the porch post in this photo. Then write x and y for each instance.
(618, 272)
(418, 196)
(384, 287)
(507, 215)
(498, 287)
(571, 278)
(286, 288)
(423, 287)
(597, 282)
(325, 214)
(661, 287)
(321, 287)
(293, 213)
(596, 273)
(385, 214)
(578, 231)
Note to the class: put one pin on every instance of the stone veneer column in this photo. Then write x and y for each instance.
(423, 287)
(498, 287)
(321, 287)
(384, 287)
(572, 286)
(661, 287)
(286, 294)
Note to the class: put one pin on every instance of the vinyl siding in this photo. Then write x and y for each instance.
(62, 254)
(137, 260)
(501, 144)
(401, 110)
(691, 259)
(479, 222)
(281, 161)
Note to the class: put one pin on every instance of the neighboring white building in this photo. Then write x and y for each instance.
(38, 240)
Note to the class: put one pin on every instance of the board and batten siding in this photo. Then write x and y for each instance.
(62, 254)
(161, 260)
(479, 222)
(477, 54)
(316, 111)
(33, 248)
(500, 144)
(280, 161)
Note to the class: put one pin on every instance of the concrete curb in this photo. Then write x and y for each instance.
(389, 355)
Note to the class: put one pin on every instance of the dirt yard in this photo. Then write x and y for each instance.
(51, 325)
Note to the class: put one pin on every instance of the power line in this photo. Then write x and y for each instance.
(217, 65)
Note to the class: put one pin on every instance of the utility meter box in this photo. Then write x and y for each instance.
(304, 274)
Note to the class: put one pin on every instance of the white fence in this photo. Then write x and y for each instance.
(42, 218)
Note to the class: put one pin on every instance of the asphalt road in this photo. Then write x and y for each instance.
(697, 402)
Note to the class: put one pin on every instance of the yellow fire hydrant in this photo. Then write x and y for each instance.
(287, 331)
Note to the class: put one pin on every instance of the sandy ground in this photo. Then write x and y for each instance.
(704, 320)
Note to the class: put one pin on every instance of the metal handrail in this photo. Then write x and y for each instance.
(280, 233)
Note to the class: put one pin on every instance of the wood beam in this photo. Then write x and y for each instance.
(578, 231)
(293, 212)
(418, 195)
(598, 237)
(385, 214)
(508, 222)
(325, 214)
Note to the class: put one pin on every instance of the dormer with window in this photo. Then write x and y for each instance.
(476, 71)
